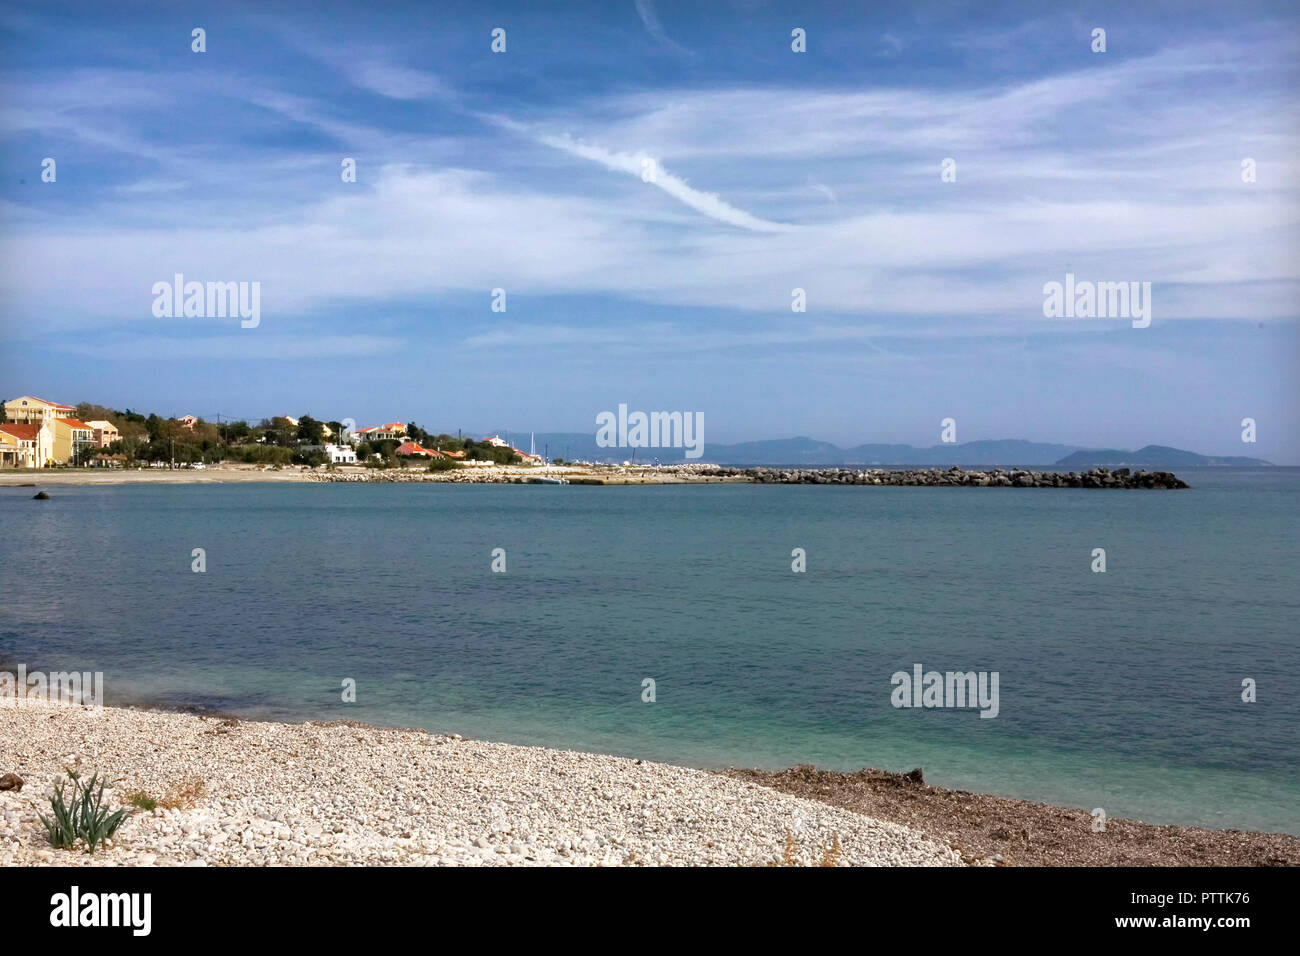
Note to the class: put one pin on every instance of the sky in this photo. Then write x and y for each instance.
(648, 182)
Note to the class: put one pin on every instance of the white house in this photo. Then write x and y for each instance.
(340, 455)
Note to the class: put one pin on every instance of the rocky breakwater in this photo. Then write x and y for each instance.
(405, 476)
(988, 478)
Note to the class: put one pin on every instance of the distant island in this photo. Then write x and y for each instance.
(803, 451)
(1154, 455)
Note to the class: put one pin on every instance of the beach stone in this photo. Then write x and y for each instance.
(372, 796)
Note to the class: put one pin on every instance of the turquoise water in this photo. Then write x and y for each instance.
(1119, 690)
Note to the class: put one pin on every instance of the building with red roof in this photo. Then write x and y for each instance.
(26, 444)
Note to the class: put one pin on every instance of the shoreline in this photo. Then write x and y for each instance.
(236, 793)
(1012, 832)
(477, 802)
(679, 474)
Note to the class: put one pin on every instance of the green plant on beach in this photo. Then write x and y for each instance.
(141, 800)
(85, 818)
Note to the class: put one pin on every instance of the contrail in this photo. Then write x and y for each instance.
(710, 204)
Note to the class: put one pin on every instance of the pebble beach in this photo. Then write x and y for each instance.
(241, 793)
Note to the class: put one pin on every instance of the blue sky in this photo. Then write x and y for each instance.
(775, 170)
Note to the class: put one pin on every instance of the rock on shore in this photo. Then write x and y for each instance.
(257, 793)
(703, 474)
(997, 477)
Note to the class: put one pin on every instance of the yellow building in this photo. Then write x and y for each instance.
(72, 438)
(9, 450)
(43, 433)
(26, 444)
(30, 410)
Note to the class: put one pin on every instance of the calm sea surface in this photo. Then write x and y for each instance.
(1119, 690)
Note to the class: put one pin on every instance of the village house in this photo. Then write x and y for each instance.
(105, 433)
(411, 448)
(392, 431)
(26, 444)
(71, 439)
(30, 410)
(41, 433)
(8, 450)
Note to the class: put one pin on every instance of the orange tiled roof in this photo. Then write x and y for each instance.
(76, 423)
(411, 448)
(24, 432)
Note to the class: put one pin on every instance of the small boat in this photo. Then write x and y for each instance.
(552, 481)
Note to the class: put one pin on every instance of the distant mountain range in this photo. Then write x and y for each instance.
(1153, 456)
(807, 451)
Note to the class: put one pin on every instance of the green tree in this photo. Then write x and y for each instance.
(310, 431)
(419, 435)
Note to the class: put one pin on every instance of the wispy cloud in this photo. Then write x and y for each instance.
(648, 169)
(645, 9)
(235, 345)
(395, 82)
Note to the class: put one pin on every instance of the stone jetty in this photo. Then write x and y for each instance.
(712, 474)
(986, 478)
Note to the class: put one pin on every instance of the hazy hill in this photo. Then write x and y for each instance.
(1152, 456)
(809, 451)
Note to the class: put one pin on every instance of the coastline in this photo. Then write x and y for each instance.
(237, 793)
(680, 474)
(266, 793)
(1012, 832)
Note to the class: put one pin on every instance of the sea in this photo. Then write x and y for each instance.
(672, 623)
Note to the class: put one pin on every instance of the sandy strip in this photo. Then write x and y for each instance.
(1012, 832)
(253, 793)
(46, 477)
(502, 474)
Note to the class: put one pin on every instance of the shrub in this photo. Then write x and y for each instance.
(86, 818)
(183, 796)
(789, 854)
(141, 800)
